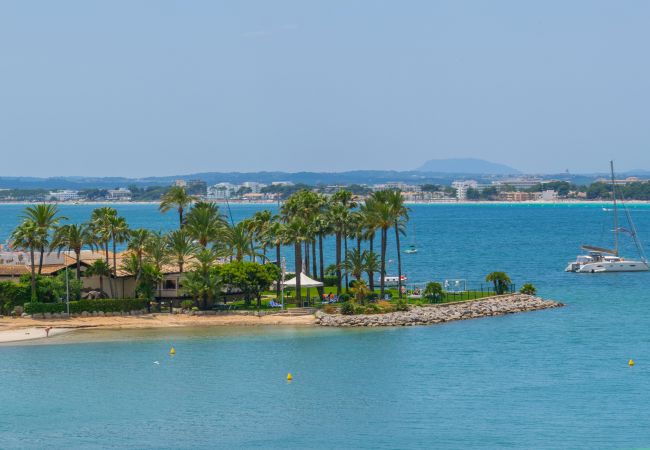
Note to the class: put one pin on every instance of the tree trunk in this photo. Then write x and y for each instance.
(108, 263)
(338, 263)
(40, 260)
(78, 254)
(345, 254)
(114, 268)
(298, 249)
(371, 275)
(382, 274)
(33, 264)
(306, 265)
(322, 262)
(359, 245)
(180, 265)
(180, 217)
(278, 285)
(399, 262)
(314, 266)
(101, 283)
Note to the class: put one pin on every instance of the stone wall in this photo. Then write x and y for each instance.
(431, 314)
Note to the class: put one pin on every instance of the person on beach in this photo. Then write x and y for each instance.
(47, 331)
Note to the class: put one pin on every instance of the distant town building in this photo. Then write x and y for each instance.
(549, 195)
(281, 183)
(221, 191)
(255, 187)
(197, 187)
(397, 185)
(120, 194)
(65, 195)
(180, 183)
(519, 196)
(520, 183)
(461, 187)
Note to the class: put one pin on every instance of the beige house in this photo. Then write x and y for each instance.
(15, 264)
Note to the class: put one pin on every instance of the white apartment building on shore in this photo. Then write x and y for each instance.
(65, 195)
(462, 186)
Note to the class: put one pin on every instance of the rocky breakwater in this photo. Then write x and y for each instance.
(446, 312)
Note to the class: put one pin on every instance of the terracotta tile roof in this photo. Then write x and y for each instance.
(13, 270)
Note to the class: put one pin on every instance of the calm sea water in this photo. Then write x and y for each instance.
(548, 379)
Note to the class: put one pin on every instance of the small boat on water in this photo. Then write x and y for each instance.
(599, 259)
(394, 281)
(412, 248)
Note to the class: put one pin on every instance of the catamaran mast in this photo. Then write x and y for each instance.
(611, 165)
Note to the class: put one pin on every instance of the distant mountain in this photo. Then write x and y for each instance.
(466, 166)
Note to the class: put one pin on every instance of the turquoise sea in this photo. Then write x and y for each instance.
(549, 379)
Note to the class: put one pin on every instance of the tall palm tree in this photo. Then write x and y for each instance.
(371, 265)
(370, 228)
(28, 236)
(157, 254)
(275, 236)
(382, 216)
(202, 281)
(74, 238)
(100, 222)
(46, 217)
(260, 222)
(205, 224)
(180, 247)
(137, 245)
(120, 233)
(400, 217)
(338, 217)
(296, 234)
(176, 197)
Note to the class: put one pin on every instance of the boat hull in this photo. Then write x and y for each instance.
(607, 266)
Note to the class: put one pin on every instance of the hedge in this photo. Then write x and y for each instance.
(76, 307)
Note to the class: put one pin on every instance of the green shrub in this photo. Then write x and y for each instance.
(385, 306)
(76, 307)
(330, 281)
(401, 305)
(372, 308)
(187, 304)
(529, 289)
(344, 297)
(347, 309)
(373, 296)
(433, 292)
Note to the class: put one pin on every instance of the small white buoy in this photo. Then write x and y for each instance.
(157, 362)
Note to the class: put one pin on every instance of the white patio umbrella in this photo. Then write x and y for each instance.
(305, 282)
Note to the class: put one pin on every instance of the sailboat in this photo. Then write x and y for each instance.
(412, 247)
(599, 259)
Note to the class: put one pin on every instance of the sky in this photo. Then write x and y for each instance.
(145, 88)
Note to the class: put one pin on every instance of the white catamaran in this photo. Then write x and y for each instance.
(599, 260)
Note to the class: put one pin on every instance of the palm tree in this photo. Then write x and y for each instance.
(120, 233)
(275, 236)
(137, 245)
(239, 241)
(46, 218)
(176, 197)
(260, 222)
(355, 263)
(100, 222)
(28, 236)
(203, 281)
(296, 234)
(500, 280)
(370, 228)
(345, 198)
(400, 217)
(382, 217)
(100, 268)
(338, 217)
(156, 252)
(371, 265)
(205, 223)
(73, 237)
(180, 247)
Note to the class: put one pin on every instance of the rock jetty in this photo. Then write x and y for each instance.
(446, 312)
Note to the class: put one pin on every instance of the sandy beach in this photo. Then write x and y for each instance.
(20, 329)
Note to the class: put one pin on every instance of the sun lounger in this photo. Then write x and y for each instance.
(274, 304)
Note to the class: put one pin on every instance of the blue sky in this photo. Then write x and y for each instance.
(138, 88)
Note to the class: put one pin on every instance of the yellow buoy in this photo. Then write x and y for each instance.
(289, 377)
(172, 351)
(630, 362)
